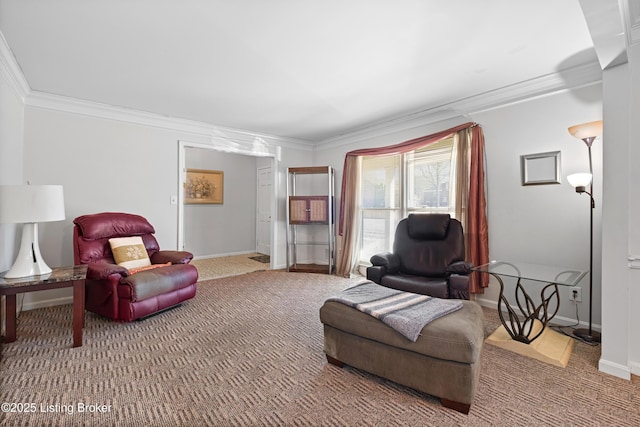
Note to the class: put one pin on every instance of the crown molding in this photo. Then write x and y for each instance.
(10, 70)
(573, 78)
(37, 99)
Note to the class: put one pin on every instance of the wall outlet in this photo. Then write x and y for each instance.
(575, 294)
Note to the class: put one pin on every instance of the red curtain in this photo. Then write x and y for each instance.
(478, 228)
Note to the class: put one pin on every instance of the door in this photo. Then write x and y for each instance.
(263, 207)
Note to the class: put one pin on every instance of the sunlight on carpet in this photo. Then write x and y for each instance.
(215, 268)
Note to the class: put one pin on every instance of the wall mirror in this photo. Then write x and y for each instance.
(540, 168)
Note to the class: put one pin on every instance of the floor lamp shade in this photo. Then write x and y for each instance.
(580, 180)
(29, 205)
(589, 130)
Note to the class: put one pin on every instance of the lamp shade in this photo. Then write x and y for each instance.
(579, 179)
(31, 203)
(587, 130)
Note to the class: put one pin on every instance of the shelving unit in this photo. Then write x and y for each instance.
(311, 211)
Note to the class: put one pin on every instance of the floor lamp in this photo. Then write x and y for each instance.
(587, 132)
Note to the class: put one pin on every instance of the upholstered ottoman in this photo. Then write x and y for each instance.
(444, 361)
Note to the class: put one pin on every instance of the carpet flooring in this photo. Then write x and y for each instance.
(247, 351)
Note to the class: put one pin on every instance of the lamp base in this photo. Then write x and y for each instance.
(584, 335)
(29, 261)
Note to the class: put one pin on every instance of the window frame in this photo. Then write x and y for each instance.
(403, 209)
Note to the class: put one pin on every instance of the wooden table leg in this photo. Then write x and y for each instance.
(78, 312)
(10, 319)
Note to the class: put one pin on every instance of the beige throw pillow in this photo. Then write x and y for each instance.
(129, 252)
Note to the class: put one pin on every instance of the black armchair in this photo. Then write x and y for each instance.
(428, 258)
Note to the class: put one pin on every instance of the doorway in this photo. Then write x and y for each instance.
(264, 207)
(265, 234)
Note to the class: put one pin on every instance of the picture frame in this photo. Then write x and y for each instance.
(540, 168)
(204, 186)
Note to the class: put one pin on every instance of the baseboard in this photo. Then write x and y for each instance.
(557, 320)
(615, 369)
(224, 255)
(52, 302)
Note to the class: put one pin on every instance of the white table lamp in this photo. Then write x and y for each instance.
(29, 205)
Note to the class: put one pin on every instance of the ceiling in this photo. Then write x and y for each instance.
(303, 69)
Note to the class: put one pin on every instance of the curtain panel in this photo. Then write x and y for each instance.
(470, 205)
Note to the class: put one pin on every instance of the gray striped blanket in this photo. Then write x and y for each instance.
(405, 312)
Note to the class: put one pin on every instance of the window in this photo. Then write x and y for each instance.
(395, 185)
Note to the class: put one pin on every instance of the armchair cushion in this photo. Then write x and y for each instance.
(129, 252)
(108, 224)
(147, 267)
(151, 283)
(432, 286)
(428, 226)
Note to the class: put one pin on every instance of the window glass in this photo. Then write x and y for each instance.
(381, 203)
(381, 182)
(429, 177)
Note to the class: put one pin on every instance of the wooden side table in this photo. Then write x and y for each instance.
(60, 277)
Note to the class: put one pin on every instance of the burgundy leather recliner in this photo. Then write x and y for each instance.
(110, 289)
(428, 258)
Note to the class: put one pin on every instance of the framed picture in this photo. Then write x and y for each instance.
(540, 168)
(204, 187)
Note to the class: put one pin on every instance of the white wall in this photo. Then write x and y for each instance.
(11, 128)
(539, 224)
(228, 228)
(617, 301)
(620, 344)
(11, 162)
(634, 210)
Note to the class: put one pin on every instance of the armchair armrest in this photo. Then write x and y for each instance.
(375, 273)
(458, 286)
(102, 270)
(460, 267)
(388, 260)
(174, 257)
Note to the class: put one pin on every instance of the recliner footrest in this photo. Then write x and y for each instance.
(150, 283)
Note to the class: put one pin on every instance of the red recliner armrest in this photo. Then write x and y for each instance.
(102, 270)
(174, 257)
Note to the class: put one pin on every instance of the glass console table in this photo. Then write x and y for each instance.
(529, 327)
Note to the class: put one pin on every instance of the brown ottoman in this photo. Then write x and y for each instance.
(444, 361)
